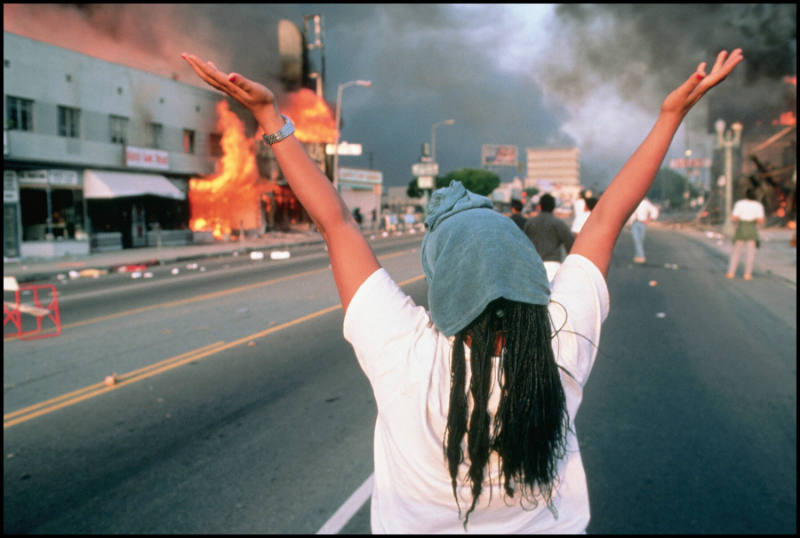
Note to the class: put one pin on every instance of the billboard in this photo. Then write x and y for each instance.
(498, 155)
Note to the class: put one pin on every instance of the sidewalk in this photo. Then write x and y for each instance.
(42, 269)
(776, 256)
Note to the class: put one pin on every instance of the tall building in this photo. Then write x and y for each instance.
(97, 155)
(554, 170)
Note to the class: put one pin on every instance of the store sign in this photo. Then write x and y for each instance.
(146, 158)
(358, 175)
(63, 178)
(55, 177)
(690, 163)
(10, 187)
(33, 177)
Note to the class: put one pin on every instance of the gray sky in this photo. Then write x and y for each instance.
(524, 74)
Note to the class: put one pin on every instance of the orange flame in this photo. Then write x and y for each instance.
(787, 118)
(228, 199)
(311, 115)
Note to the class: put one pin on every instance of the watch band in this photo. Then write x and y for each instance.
(283, 132)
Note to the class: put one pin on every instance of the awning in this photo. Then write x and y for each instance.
(100, 184)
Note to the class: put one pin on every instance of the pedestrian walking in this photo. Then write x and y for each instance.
(580, 210)
(516, 214)
(747, 214)
(549, 234)
(357, 216)
(580, 220)
(479, 393)
(644, 213)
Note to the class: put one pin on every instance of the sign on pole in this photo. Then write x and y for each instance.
(498, 155)
(345, 148)
(424, 169)
(425, 182)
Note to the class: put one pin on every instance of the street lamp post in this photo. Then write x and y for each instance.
(433, 135)
(365, 83)
(728, 140)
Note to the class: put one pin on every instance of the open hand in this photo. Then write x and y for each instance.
(687, 94)
(254, 96)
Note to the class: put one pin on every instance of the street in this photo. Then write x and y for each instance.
(239, 407)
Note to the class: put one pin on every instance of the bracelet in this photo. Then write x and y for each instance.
(283, 132)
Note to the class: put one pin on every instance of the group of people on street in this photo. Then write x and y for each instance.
(553, 239)
(550, 235)
(477, 394)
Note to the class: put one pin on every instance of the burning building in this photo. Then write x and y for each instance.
(97, 155)
(766, 159)
(247, 193)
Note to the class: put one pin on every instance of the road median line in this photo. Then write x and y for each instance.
(22, 415)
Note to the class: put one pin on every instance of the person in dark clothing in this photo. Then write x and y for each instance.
(516, 214)
(548, 233)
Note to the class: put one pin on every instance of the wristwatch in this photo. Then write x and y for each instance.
(283, 132)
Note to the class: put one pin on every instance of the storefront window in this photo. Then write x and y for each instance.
(51, 206)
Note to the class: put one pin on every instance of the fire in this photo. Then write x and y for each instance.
(787, 118)
(312, 117)
(228, 199)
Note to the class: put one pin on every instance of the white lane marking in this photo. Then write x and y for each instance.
(348, 509)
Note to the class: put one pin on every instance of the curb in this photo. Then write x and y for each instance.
(114, 267)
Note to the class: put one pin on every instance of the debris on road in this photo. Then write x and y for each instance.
(111, 379)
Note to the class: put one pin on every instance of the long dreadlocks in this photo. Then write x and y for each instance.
(530, 425)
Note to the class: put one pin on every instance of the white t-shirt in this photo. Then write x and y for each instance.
(407, 361)
(748, 210)
(580, 215)
(579, 220)
(644, 212)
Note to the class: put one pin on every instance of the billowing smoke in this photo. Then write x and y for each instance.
(634, 54)
(151, 37)
(592, 75)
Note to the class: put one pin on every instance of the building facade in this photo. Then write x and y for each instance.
(97, 155)
(554, 170)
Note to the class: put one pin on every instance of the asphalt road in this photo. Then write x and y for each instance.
(239, 407)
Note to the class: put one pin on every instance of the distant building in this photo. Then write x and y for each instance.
(96, 155)
(505, 192)
(554, 170)
(360, 188)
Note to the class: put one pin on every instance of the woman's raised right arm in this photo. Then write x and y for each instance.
(630, 185)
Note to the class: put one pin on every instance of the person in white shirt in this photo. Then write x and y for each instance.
(580, 220)
(480, 392)
(748, 214)
(580, 211)
(644, 213)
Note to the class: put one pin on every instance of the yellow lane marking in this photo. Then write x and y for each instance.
(96, 386)
(65, 400)
(194, 299)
